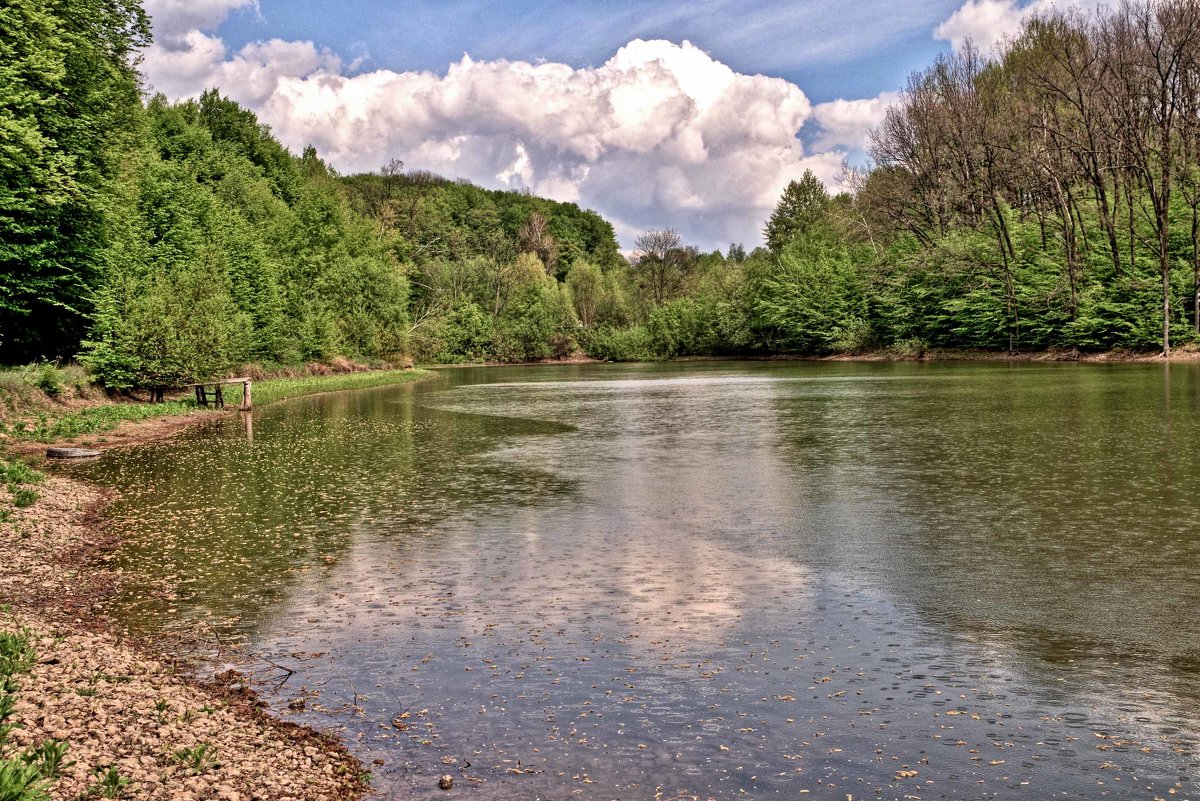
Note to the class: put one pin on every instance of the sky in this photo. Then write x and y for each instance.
(657, 114)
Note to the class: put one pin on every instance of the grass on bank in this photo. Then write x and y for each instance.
(47, 427)
(271, 390)
(19, 479)
(45, 403)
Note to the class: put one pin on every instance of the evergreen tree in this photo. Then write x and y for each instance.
(803, 205)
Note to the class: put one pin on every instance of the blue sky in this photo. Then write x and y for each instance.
(691, 116)
(830, 50)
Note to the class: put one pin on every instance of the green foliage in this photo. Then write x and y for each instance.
(539, 325)
(227, 248)
(110, 783)
(811, 299)
(25, 776)
(16, 475)
(93, 419)
(49, 759)
(46, 379)
(276, 389)
(16, 656)
(802, 207)
(585, 282)
(633, 344)
(20, 781)
(463, 335)
(198, 758)
(68, 104)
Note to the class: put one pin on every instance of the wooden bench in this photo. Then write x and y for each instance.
(204, 396)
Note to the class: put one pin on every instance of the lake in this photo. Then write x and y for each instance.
(704, 580)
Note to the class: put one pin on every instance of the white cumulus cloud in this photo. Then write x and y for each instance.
(660, 135)
(176, 18)
(847, 123)
(988, 23)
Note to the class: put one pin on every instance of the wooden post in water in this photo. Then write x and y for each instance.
(246, 405)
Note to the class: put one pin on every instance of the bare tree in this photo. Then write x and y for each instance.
(535, 237)
(662, 263)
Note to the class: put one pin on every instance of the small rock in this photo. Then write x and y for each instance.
(446, 782)
(71, 453)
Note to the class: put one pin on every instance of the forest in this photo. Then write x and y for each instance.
(1042, 197)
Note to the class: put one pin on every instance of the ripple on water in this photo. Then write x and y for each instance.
(711, 579)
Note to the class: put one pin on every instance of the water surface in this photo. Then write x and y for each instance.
(710, 580)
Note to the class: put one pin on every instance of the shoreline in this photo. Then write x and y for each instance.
(129, 703)
(124, 703)
(1186, 354)
(150, 429)
(1179, 355)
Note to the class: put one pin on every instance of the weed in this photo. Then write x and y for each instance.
(7, 704)
(274, 389)
(49, 758)
(46, 378)
(24, 497)
(198, 759)
(110, 783)
(16, 473)
(161, 707)
(16, 654)
(21, 782)
(93, 419)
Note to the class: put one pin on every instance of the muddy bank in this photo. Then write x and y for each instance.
(120, 704)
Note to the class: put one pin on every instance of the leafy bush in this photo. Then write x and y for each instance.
(463, 335)
(811, 299)
(46, 379)
(634, 344)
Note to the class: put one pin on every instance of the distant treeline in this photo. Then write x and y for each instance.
(1042, 197)
(1046, 196)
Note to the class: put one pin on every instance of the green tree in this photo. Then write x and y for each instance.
(803, 205)
(68, 105)
(586, 284)
(811, 300)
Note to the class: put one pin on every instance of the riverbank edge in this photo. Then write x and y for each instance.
(1183, 354)
(150, 429)
(56, 553)
(1179, 355)
(130, 704)
(1186, 353)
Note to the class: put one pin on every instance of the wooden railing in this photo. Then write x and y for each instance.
(216, 397)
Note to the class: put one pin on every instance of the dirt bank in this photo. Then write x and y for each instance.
(117, 703)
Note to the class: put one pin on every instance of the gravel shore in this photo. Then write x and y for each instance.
(120, 705)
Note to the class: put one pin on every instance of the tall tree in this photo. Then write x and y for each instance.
(803, 204)
(68, 105)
